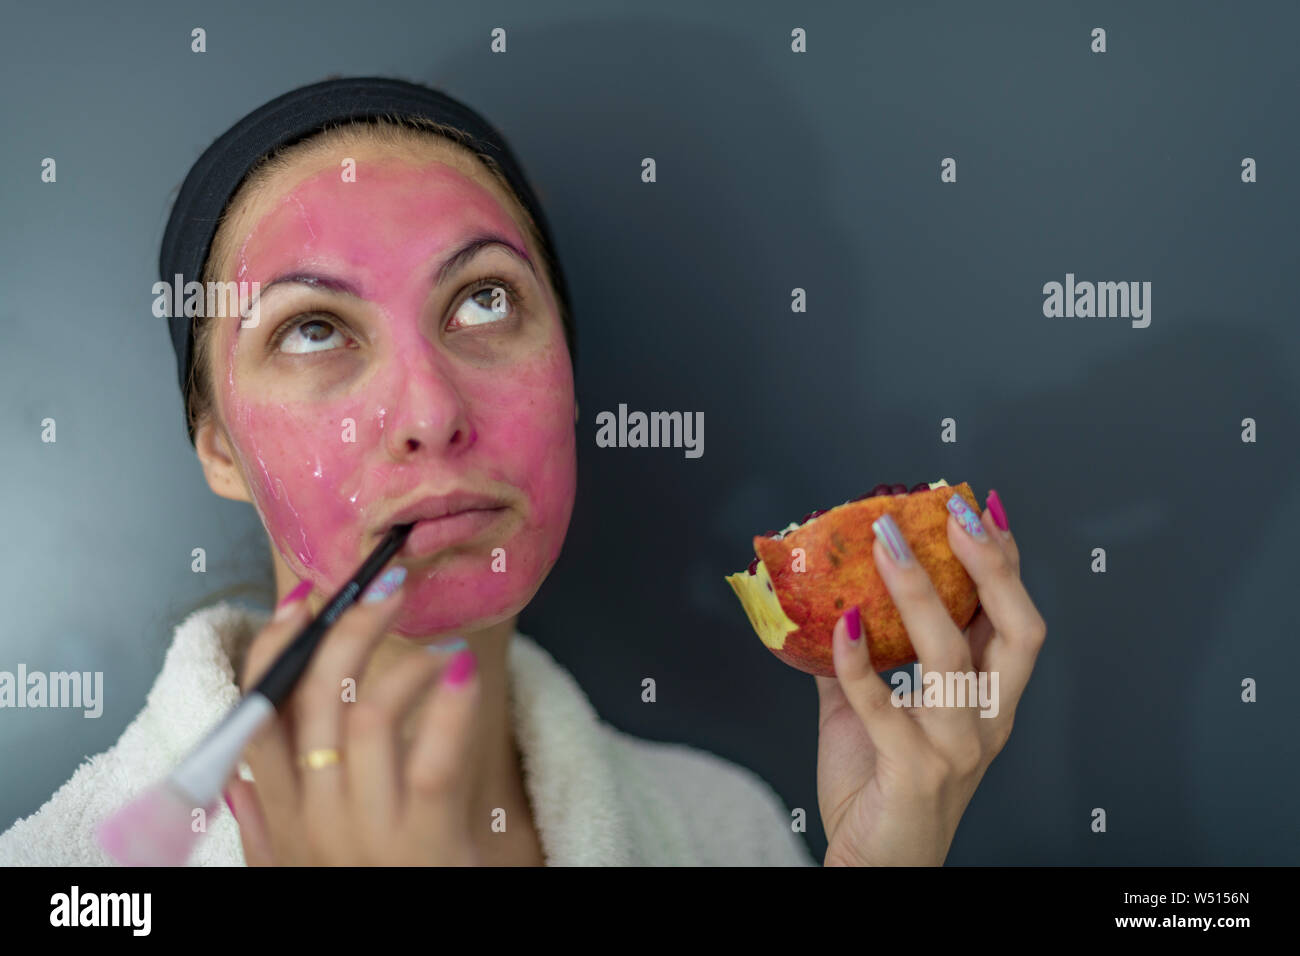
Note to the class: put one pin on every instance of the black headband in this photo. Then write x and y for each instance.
(220, 171)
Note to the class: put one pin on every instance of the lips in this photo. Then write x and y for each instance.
(442, 506)
(442, 521)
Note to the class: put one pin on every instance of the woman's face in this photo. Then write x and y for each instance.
(372, 382)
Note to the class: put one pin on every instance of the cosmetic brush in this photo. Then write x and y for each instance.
(156, 829)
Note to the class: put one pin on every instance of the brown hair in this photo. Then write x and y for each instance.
(391, 132)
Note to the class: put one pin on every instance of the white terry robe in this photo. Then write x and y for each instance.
(600, 797)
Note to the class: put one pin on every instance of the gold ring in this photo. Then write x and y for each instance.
(319, 757)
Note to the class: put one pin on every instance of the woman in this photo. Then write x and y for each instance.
(408, 355)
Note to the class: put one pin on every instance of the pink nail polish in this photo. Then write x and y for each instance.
(297, 594)
(460, 670)
(225, 796)
(996, 510)
(287, 603)
(853, 621)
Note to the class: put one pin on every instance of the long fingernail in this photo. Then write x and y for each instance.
(450, 646)
(967, 517)
(853, 621)
(225, 796)
(460, 670)
(290, 600)
(891, 537)
(997, 511)
(386, 585)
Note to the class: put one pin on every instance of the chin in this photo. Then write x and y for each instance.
(451, 601)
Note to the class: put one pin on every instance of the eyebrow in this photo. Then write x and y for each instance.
(454, 262)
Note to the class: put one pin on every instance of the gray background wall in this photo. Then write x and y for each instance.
(775, 170)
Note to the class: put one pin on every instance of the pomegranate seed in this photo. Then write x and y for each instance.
(769, 534)
(753, 566)
(898, 489)
(881, 490)
(920, 486)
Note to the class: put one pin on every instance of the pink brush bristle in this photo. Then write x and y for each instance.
(155, 829)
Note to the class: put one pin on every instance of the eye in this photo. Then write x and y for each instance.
(309, 334)
(489, 301)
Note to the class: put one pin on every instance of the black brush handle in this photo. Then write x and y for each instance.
(289, 666)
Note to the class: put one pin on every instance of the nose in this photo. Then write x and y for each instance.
(426, 413)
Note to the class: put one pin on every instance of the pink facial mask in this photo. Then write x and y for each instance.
(428, 417)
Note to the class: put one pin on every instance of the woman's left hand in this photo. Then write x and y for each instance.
(893, 782)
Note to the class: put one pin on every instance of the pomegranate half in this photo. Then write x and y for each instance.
(805, 576)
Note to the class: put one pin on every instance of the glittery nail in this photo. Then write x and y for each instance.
(386, 585)
(968, 518)
(449, 646)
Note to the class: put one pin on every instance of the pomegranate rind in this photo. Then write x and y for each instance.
(794, 611)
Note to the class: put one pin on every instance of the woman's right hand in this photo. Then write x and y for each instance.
(384, 803)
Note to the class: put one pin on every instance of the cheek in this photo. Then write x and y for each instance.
(530, 444)
(305, 479)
